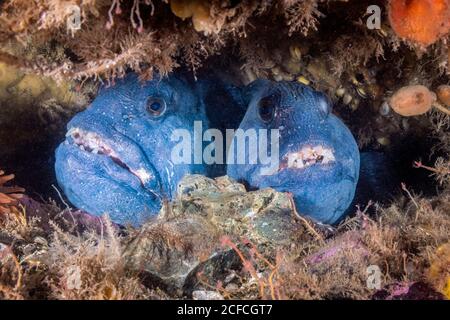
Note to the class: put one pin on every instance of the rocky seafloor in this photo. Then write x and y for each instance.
(216, 239)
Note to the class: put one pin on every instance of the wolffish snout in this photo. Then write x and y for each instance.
(92, 142)
(115, 158)
(319, 158)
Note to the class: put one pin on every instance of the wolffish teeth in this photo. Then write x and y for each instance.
(71, 132)
(93, 143)
(143, 175)
(308, 156)
(90, 141)
(308, 153)
(295, 161)
(326, 154)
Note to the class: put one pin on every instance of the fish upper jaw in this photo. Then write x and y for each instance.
(124, 156)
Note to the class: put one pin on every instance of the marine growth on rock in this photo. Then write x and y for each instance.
(412, 100)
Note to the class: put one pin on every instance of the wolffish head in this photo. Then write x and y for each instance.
(316, 156)
(116, 158)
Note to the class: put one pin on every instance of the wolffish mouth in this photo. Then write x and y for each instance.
(308, 156)
(92, 142)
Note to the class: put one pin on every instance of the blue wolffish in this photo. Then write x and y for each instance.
(116, 157)
(318, 156)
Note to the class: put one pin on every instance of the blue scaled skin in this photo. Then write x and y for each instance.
(322, 182)
(116, 158)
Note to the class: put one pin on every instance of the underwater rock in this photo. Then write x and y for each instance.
(33, 112)
(70, 220)
(216, 269)
(184, 241)
(408, 291)
(439, 271)
(206, 295)
(3, 248)
(165, 253)
(349, 241)
(4, 251)
(31, 106)
(199, 11)
(318, 156)
(264, 216)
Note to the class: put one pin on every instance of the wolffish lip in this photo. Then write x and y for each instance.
(91, 142)
(307, 156)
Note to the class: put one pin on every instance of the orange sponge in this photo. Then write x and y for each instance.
(420, 21)
(412, 100)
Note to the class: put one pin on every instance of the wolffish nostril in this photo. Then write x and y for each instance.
(324, 106)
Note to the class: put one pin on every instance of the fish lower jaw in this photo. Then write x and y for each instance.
(308, 156)
(91, 142)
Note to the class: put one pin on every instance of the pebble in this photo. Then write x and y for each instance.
(206, 295)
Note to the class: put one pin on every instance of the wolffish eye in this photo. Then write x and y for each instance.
(266, 108)
(156, 106)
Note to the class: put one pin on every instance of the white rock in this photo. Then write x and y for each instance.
(206, 295)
